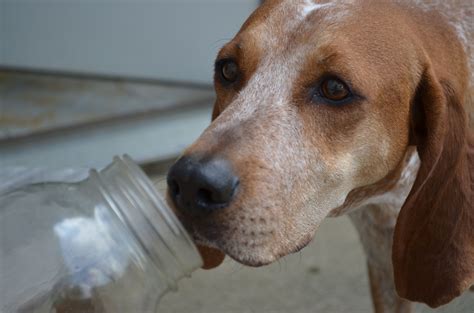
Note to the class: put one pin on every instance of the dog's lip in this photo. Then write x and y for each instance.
(211, 257)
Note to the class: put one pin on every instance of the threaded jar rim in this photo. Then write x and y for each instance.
(150, 219)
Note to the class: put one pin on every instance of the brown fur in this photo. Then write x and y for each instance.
(433, 251)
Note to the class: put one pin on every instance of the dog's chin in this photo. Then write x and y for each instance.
(261, 258)
(252, 261)
(253, 257)
(258, 258)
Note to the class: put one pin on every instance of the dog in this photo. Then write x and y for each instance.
(354, 107)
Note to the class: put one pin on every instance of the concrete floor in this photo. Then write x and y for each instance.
(328, 276)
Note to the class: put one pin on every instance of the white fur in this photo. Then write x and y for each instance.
(309, 7)
(396, 197)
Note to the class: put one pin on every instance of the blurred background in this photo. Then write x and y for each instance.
(84, 80)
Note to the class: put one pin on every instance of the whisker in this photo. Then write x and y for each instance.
(219, 41)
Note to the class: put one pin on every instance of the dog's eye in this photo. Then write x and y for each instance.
(229, 70)
(334, 89)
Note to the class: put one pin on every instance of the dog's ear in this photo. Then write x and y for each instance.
(433, 247)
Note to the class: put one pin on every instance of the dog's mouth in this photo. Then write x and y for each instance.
(213, 250)
(251, 240)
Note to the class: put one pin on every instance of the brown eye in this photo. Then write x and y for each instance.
(230, 71)
(334, 90)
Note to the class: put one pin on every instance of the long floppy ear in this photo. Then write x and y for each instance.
(433, 247)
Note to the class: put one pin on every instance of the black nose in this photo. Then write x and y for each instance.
(199, 187)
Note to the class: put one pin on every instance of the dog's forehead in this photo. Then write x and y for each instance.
(277, 23)
(275, 36)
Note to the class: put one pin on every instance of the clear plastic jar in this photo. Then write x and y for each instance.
(106, 244)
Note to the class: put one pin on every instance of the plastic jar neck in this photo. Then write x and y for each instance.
(139, 206)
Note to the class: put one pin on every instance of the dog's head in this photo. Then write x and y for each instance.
(315, 100)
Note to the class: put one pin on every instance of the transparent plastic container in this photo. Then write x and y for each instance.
(106, 244)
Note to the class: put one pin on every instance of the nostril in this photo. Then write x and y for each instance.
(174, 187)
(216, 196)
(205, 196)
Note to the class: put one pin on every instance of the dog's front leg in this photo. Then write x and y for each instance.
(375, 225)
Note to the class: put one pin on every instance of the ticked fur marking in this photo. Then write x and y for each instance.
(309, 6)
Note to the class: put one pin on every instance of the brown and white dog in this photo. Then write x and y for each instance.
(346, 106)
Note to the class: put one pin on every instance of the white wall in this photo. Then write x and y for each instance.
(2, 33)
(163, 39)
